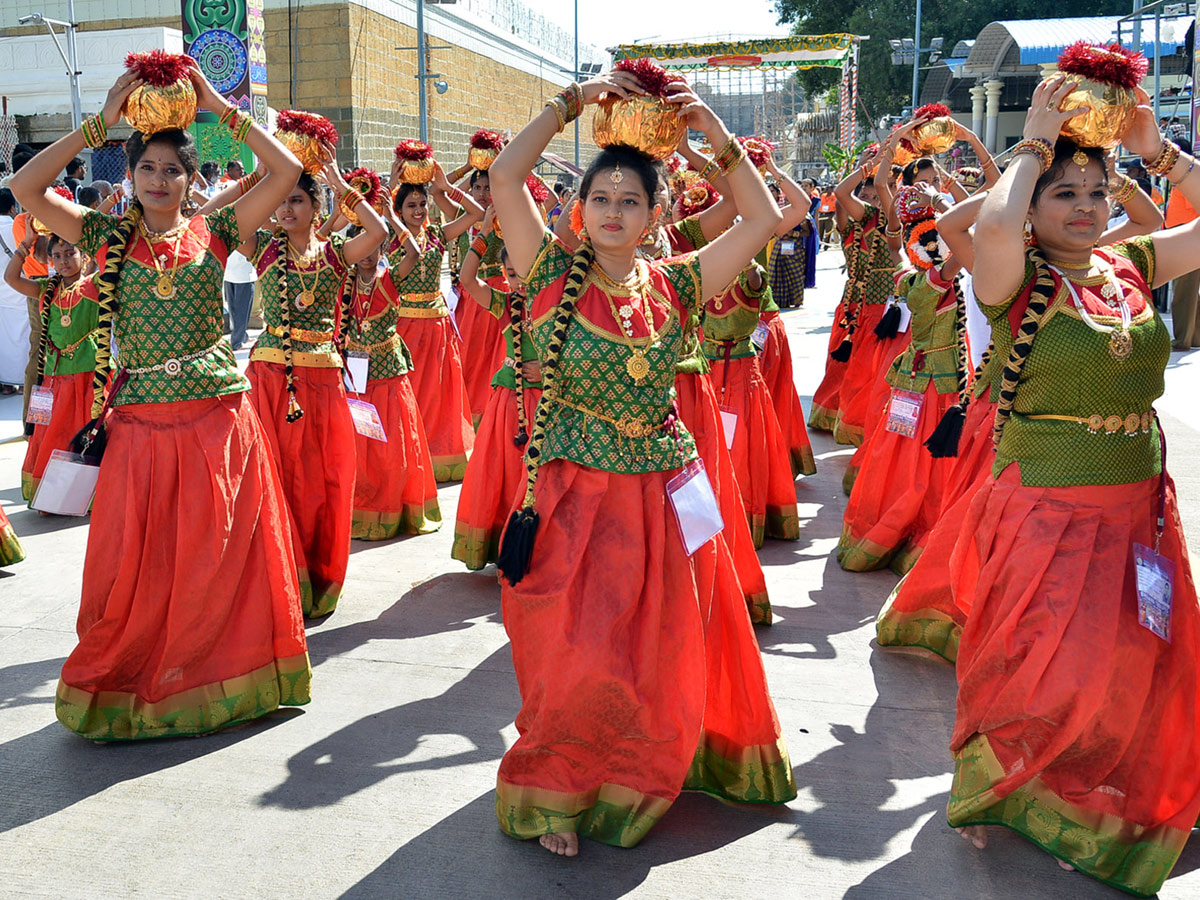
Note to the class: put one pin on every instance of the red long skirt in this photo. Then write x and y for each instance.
(11, 550)
(190, 619)
(619, 713)
(1076, 726)
(72, 410)
(775, 361)
(394, 490)
(759, 452)
(922, 611)
(822, 416)
(861, 373)
(898, 492)
(495, 479)
(697, 404)
(437, 381)
(879, 394)
(482, 352)
(316, 463)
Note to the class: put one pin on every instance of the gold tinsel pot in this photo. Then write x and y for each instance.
(1109, 119)
(152, 109)
(416, 171)
(902, 156)
(644, 123)
(935, 136)
(481, 158)
(39, 226)
(305, 148)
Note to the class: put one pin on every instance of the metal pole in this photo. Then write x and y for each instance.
(577, 77)
(1157, 63)
(1137, 27)
(73, 65)
(916, 56)
(423, 112)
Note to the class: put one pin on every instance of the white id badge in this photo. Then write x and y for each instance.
(905, 317)
(366, 419)
(68, 485)
(904, 412)
(759, 337)
(787, 248)
(41, 404)
(729, 419)
(357, 365)
(1155, 585)
(695, 506)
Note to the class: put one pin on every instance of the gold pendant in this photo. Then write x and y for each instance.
(65, 321)
(305, 300)
(164, 288)
(1120, 345)
(637, 366)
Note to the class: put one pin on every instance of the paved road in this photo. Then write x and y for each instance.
(382, 787)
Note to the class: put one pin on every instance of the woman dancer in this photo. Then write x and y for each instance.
(618, 714)
(495, 475)
(1076, 716)
(190, 618)
(394, 488)
(66, 355)
(296, 373)
(425, 324)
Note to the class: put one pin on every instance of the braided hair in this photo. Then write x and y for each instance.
(47, 296)
(516, 546)
(1040, 298)
(294, 411)
(106, 281)
(516, 319)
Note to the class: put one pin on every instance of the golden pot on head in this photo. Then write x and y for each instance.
(645, 123)
(416, 171)
(902, 156)
(305, 148)
(39, 226)
(481, 158)
(1111, 115)
(935, 136)
(151, 109)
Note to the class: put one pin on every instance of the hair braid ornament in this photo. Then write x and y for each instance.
(946, 436)
(516, 318)
(90, 439)
(294, 411)
(1039, 302)
(516, 545)
(47, 296)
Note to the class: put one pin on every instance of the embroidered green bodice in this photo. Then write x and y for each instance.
(172, 346)
(371, 328)
(421, 290)
(875, 269)
(506, 375)
(312, 322)
(731, 317)
(74, 315)
(933, 352)
(1107, 433)
(599, 416)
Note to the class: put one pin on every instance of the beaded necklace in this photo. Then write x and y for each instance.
(637, 366)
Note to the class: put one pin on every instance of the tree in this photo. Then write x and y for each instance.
(886, 88)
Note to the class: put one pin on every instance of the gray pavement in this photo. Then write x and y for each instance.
(382, 787)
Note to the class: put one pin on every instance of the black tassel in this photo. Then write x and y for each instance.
(842, 353)
(944, 441)
(522, 437)
(516, 547)
(889, 325)
(90, 441)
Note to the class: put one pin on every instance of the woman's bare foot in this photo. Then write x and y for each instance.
(1065, 865)
(564, 844)
(976, 834)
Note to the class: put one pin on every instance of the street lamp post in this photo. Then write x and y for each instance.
(69, 57)
(577, 77)
(423, 76)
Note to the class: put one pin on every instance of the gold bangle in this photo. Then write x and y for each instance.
(556, 104)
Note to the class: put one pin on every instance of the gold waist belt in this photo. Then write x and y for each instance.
(627, 426)
(301, 334)
(1130, 424)
(69, 350)
(174, 365)
(382, 347)
(303, 360)
(428, 309)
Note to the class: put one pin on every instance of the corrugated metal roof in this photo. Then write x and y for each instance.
(1042, 40)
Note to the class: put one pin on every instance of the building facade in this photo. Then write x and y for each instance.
(354, 61)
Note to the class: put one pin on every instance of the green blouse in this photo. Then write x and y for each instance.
(933, 353)
(313, 295)
(71, 339)
(371, 325)
(506, 375)
(173, 346)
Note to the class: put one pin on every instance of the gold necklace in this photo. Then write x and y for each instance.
(68, 299)
(1066, 265)
(365, 290)
(307, 296)
(637, 366)
(164, 286)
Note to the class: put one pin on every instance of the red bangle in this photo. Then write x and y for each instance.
(479, 245)
(456, 196)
